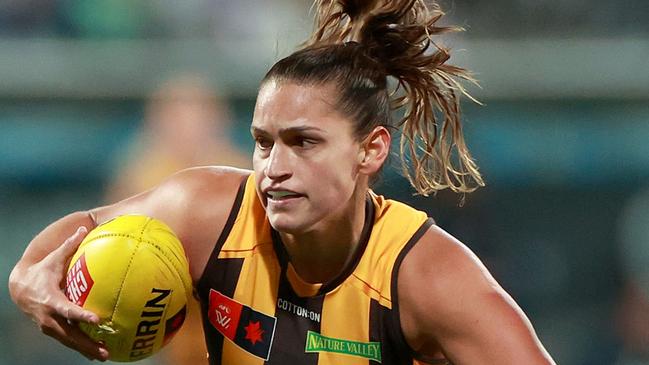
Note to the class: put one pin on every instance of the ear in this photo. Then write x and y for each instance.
(374, 150)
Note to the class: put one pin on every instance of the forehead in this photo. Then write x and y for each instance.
(288, 104)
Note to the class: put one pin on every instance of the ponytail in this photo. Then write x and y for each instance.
(393, 38)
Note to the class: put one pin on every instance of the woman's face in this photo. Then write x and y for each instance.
(306, 157)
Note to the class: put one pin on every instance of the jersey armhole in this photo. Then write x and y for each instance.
(397, 332)
(234, 212)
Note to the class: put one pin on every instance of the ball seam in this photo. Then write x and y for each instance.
(179, 272)
(128, 267)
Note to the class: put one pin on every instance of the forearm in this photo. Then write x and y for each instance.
(35, 284)
(47, 241)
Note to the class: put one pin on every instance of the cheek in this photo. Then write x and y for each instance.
(258, 164)
(258, 171)
(336, 176)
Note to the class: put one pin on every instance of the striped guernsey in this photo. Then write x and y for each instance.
(257, 310)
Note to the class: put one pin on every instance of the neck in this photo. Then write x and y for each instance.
(318, 256)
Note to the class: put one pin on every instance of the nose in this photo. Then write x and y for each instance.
(278, 164)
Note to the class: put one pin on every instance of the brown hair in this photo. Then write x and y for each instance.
(357, 45)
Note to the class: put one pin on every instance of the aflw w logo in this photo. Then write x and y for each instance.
(221, 318)
(251, 330)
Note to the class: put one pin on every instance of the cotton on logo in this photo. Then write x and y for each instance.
(78, 282)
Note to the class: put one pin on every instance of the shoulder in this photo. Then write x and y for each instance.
(449, 300)
(439, 256)
(439, 273)
(194, 202)
(191, 193)
(205, 183)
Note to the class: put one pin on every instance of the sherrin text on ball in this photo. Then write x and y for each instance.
(132, 272)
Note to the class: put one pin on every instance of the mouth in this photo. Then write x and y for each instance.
(281, 195)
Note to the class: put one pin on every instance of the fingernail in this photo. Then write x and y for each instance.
(103, 353)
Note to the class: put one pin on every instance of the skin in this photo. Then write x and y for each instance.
(302, 146)
(449, 303)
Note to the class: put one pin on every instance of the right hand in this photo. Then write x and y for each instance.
(37, 290)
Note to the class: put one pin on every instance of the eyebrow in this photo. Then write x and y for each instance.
(304, 128)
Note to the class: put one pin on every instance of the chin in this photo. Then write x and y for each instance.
(286, 224)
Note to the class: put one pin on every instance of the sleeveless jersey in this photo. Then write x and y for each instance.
(257, 310)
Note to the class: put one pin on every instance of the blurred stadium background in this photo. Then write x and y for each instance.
(563, 140)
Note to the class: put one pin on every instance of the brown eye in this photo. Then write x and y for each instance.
(263, 143)
(305, 142)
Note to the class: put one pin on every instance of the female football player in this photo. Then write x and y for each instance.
(319, 268)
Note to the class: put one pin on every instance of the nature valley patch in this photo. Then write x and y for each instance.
(316, 342)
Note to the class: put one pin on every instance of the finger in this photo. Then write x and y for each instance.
(75, 313)
(60, 258)
(76, 339)
(88, 346)
(69, 247)
(71, 336)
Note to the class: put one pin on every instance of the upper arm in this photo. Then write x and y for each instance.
(449, 301)
(195, 203)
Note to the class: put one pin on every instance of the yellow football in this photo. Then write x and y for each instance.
(132, 272)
